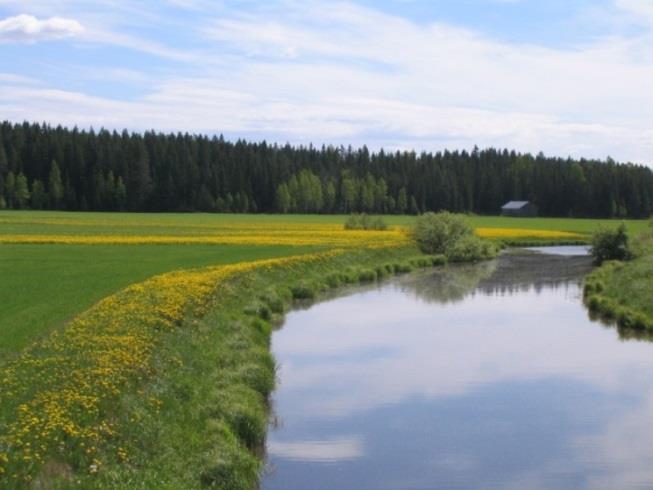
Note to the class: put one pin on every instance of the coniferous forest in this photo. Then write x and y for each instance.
(44, 167)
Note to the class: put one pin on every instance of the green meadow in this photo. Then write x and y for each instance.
(57, 222)
(44, 285)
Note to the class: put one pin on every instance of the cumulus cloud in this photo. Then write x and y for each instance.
(27, 28)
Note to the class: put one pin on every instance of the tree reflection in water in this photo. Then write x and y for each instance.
(513, 272)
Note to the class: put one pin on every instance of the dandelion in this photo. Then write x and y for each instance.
(516, 233)
(60, 385)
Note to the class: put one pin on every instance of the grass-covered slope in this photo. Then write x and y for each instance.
(165, 384)
(623, 291)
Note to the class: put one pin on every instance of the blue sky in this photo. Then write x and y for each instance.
(564, 77)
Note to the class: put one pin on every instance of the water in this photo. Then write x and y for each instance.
(479, 376)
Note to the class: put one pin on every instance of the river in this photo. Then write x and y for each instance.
(488, 376)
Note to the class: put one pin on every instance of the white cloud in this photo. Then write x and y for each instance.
(27, 28)
(325, 451)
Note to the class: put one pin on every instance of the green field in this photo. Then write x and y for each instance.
(55, 222)
(183, 389)
(44, 285)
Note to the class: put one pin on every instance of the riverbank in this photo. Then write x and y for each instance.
(621, 291)
(165, 384)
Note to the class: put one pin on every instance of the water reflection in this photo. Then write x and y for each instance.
(449, 284)
(511, 273)
(495, 380)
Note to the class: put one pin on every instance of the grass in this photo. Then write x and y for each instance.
(44, 285)
(165, 384)
(56, 222)
(623, 291)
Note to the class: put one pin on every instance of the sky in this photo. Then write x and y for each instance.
(565, 77)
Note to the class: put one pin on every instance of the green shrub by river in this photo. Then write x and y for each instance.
(623, 291)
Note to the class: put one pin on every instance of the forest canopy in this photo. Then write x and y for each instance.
(45, 167)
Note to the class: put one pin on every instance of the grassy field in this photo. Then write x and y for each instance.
(116, 380)
(60, 223)
(44, 285)
(96, 254)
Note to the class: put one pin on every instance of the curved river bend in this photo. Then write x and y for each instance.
(474, 376)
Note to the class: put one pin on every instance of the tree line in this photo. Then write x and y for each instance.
(45, 167)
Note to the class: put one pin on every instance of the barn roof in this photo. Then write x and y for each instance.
(515, 205)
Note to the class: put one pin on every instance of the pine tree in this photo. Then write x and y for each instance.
(330, 196)
(121, 194)
(205, 201)
(220, 205)
(402, 201)
(414, 209)
(10, 190)
(4, 161)
(38, 198)
(109, 195)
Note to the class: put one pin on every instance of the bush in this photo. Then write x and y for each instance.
(610, 245)
(436, 233)
(364, 222)
(470, 248)
(451, 237)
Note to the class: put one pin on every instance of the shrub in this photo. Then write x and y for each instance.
(364, 222)
(451, 237)
(436, 233)
(610, 245)
(470, 248)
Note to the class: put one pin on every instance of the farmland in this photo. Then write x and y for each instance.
(91, 255)
(93, 349)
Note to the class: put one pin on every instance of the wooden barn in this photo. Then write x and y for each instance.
(519, 209)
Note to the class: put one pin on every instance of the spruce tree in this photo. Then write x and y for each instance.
(39, 198)
(10, 190)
